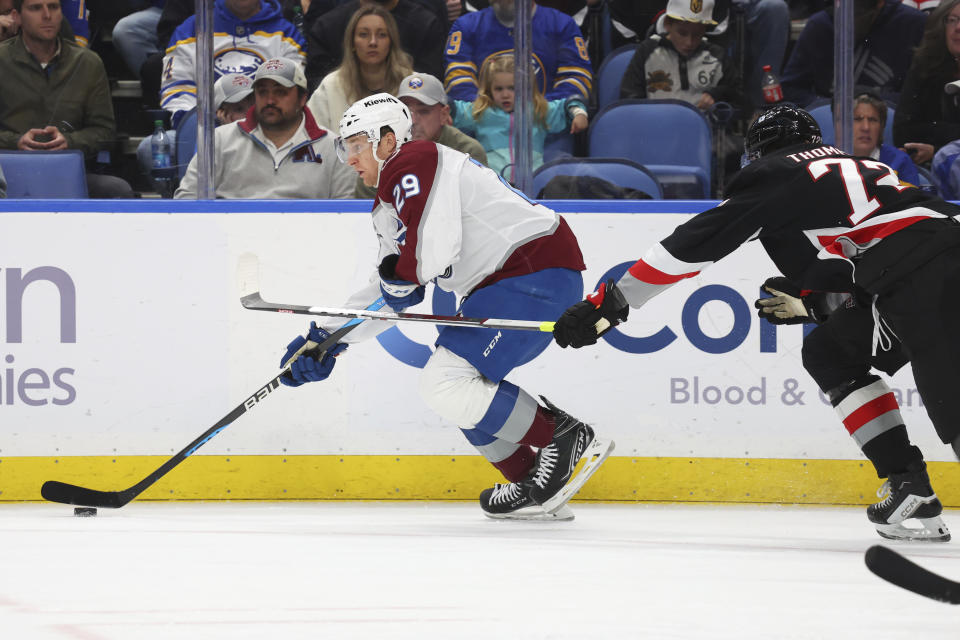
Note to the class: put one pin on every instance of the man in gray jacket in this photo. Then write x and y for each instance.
(278, 151)
(54, 94)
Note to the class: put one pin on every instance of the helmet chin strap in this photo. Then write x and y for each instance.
(376, 156)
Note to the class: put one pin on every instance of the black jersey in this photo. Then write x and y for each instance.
(817, 211)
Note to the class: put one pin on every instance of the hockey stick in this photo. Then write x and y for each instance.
(895, 568)
(254, 302)
(65, 493)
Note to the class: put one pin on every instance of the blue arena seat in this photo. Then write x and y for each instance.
(671, 138)
(623, 173)
(610, 74)
(558, 145)
(44, 174)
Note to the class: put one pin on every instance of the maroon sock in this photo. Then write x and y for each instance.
(517, 465)
(540, 432)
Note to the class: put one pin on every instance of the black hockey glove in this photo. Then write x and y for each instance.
(584, 322)
(786, 305)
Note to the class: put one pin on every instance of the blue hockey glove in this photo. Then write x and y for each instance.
(398, 294)
(306, 367)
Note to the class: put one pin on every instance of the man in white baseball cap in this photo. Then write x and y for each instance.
(278, 150)
(232, 97)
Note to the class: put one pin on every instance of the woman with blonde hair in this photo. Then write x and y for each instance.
(373, 62)
(489, 118)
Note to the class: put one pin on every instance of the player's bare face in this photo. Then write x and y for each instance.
(427, 119)
(359, 156)
(866, 129)
(40, 19)
(952, 24)
(684, 36)
(277, 107)
(501, 90)
(371, 40)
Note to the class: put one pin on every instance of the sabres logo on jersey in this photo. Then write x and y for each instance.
(237, 60)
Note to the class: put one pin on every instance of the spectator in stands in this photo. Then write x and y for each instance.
(422, 34)
(682, 65)
(886, 33)
(135, 35)
(869, 119)
(9, 20)
(424, 96)
(928, 114)
(375, 63)
(55, 93)
(561, 63)
(10, 23)
(232, 97)
(278, 151)
(247, 32)
(490, 116)
(174, 13)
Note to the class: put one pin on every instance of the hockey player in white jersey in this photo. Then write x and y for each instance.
(441, 217)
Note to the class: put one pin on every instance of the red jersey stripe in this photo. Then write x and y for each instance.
(651, 275)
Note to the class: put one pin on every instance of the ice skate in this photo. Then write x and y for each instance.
(564, 465)
(908, 499)
(512, 502)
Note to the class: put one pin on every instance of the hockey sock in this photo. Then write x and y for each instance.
(513, 460)
(891, 452)
(516, 467)
(515, 416)
(867, 408)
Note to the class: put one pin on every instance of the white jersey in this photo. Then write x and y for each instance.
(453, 221)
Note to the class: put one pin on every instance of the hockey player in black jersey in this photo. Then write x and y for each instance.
(831, 223)
(839, 354)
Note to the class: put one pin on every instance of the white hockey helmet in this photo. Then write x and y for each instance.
(371, 114)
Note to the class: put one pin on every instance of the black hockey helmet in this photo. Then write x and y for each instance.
(779, 127)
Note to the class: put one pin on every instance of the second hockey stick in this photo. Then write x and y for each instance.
(905, 573)
(65, 493)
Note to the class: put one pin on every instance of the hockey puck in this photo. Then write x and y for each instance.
(85, 512)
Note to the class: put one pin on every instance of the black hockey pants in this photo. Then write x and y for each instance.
(923, 309)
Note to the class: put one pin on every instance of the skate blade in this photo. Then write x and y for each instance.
(536, 513)
(593, 456)
(929, 530)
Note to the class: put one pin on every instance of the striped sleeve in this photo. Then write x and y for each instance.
(654, 273)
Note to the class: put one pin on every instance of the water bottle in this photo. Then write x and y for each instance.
(163, 169)
(298, 19)
(770, 84)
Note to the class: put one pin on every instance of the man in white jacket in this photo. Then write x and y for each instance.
(278, 151)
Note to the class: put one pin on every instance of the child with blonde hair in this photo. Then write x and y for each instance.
(489, 118)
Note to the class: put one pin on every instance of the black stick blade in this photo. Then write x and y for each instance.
(896, 569)
(71, 494)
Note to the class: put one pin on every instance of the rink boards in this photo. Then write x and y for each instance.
(125, 340)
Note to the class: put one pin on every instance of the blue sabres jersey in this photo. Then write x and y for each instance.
(560, 59)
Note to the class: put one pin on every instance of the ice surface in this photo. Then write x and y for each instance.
(432, 570)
